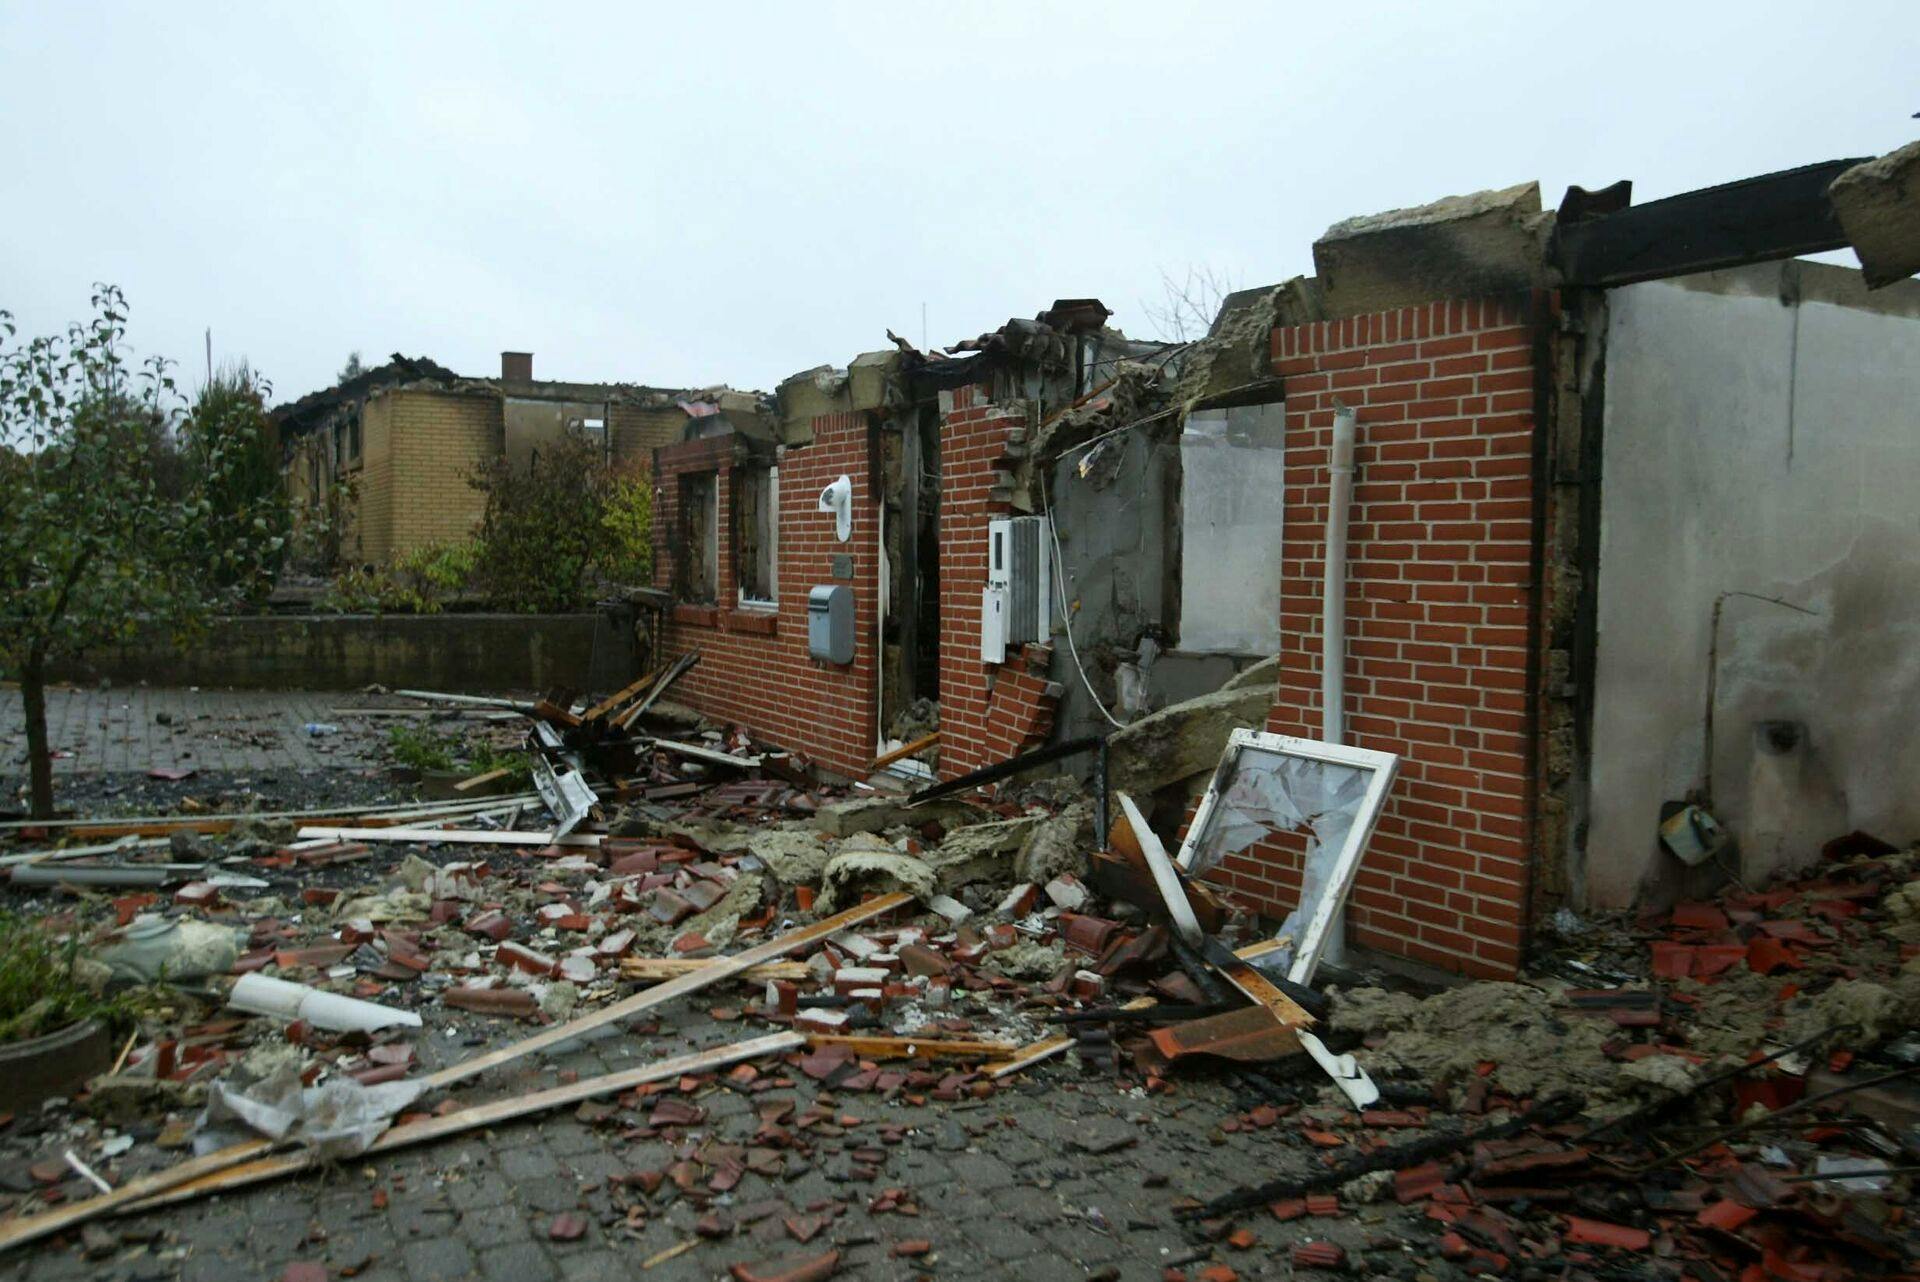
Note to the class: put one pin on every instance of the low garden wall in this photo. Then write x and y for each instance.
(450, 652)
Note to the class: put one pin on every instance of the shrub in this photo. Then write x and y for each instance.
(227, 439)
(423, 581)
(544, 535)
(626, 554)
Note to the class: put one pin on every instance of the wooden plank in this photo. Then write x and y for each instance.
(468, 700)
(467, 1119)
(654, 969)
(1258, 988)
(1029, 1055)
(459, 836)
(716, 970)
(33, 1227)
(681, 666)
(914, 1047)
(486, 777)
(906, 750)
(554, 715)
(619, 697)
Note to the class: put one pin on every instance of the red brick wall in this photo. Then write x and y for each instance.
(1441, 565)
(988, 712)
(754, 668)
(765, 680)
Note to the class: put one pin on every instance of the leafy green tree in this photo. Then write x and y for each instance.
(230, 415)
(626, 526)
(93, 547)
(540, 532)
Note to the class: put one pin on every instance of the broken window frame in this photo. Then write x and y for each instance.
(1345, 865)
(703, 588)
(749, 578)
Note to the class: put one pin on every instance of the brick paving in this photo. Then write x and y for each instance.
(112, 731)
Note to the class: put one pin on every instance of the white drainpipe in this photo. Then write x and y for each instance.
(1333, 630)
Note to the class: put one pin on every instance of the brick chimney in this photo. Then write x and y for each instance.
(516, 367)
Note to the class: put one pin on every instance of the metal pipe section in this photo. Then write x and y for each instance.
(1333, 620)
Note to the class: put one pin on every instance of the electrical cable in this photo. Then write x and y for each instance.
(1066, 613)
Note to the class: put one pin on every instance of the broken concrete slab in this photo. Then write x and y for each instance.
(1264, 675)
(876, 814)
(1879, 207)
(1471, 246)
(1184, 739)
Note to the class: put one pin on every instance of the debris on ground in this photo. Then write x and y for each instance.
(1699, 1093)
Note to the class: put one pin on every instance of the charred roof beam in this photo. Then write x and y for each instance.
(1773, 216)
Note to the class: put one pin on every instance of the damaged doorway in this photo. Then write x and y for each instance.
(910, 608)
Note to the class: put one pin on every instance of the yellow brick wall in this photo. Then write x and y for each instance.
(436, 441)
(369, 536)
(634, 432)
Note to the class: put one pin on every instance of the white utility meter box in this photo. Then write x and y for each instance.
(1017, 604)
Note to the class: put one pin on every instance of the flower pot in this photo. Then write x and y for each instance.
(56, 1063)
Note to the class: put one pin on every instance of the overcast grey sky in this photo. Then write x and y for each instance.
(706, 193)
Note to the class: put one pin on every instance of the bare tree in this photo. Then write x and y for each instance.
(352, 369)
(1188, 305)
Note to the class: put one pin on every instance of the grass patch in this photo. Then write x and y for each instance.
(427, 750)
(39, 991)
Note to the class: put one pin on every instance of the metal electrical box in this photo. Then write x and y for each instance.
(1017, 605)
(830, 623)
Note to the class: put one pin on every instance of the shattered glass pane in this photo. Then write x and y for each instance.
(1272, 792)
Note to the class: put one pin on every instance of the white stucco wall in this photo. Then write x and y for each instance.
(1757, 446)
(1232, 483)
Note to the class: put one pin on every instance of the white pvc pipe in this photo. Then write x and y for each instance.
(264, 995)
(1333, 619)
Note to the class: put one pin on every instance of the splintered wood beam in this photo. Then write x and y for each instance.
(1760, 219)
(468, 784)
(619, 697)
(1029, 1055)
(429, 1129)
(680, 667)
(1258, 988)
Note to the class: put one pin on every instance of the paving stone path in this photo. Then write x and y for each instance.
(109, 731)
